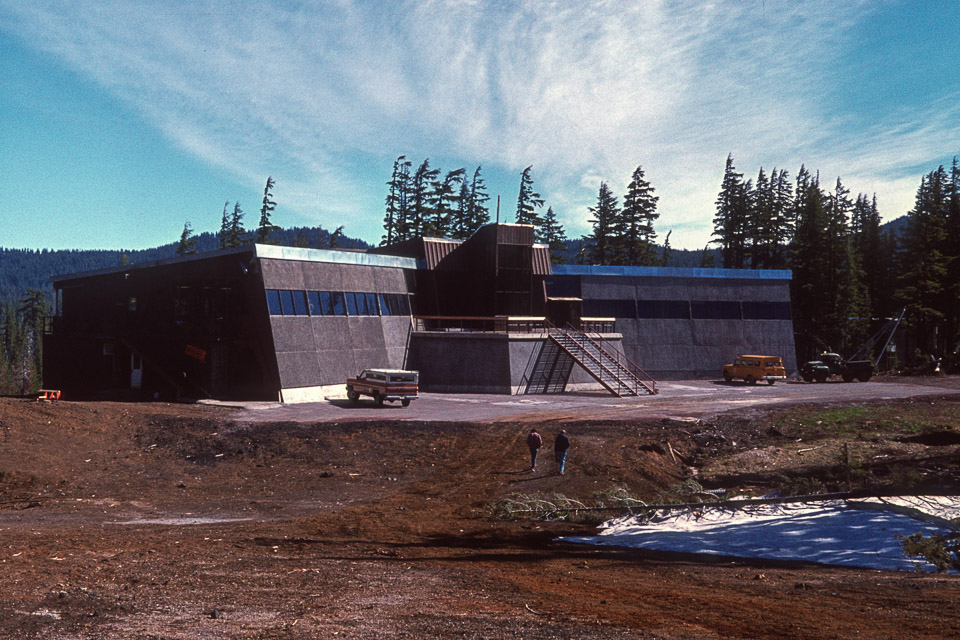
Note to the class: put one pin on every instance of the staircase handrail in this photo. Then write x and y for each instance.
(631, 366)
(553, 330)
(622, 362)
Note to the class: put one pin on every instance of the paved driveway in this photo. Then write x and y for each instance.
(688, 398)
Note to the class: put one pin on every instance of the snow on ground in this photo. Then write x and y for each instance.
(855, 533)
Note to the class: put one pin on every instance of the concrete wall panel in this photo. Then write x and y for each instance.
(292, 334)
(298, 368)
(282, 274)
(331, 333)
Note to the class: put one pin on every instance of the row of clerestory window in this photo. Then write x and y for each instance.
(688, 309)
(287, 302)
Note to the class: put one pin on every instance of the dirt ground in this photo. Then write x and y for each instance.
(125, 520)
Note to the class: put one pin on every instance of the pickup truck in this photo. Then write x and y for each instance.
(831, 364)
(753, 368)
(389, 385)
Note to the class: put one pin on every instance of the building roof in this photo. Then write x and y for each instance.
(268, 251)
(671, 272)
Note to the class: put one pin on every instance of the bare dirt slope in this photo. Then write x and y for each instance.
(180, 522)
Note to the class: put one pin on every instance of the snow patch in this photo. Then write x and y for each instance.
(853, 533)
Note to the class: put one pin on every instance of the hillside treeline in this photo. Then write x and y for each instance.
(848, 270)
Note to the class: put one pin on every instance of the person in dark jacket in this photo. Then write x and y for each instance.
(560, 446)
(534, 442)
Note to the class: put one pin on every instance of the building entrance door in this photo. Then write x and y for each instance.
(136, 371)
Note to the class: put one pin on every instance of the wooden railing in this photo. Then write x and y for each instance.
(503, 324)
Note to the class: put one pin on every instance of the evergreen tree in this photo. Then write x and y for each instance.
(187, 243)
(636, 234)
(848, 300)
(265, 228)
(604, 217)
(237, 231)
(458, 221)
(707, 259)
(395, 222)
(224, 234)
(421, 189)
(33, 312)
(782, 218)
(443, 201)
(809, 266)
(667, 254)
(553, 235)
(952, 253)
(477, 213)
(865, 229)
(11, 351)
(924, 279)
(336, 238)
(528, 201)
(730, 225)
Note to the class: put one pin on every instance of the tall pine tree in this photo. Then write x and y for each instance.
(553, 235)
(730, 224)
(635, 228)
(396, 220)
(528, 201)
(422, 189)
(266, 227)
(602, 244)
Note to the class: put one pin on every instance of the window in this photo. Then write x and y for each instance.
(766, 310)
(715, 310)
(385, 309)
(663, 309)
(371, 304)
(352, 309)
(313, 301)
(609, 309)
(299, 303)
(339, 304)
(286, 302)
(273, 302)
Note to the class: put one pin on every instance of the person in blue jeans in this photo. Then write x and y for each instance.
(534, 442)
(560, 446)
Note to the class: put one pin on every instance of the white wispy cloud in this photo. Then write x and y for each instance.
(585, 91)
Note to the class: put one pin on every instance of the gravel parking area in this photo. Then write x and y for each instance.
(685, 398)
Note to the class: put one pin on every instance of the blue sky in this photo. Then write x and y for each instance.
(123, 120)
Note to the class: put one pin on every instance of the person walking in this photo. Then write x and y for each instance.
(534, 442)
(560, 446)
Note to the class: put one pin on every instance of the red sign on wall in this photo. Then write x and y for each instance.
(196, 352)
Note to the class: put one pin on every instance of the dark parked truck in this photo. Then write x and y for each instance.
(831, 364)
(391, 385)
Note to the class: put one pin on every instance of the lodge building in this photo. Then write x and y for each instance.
(486, 315)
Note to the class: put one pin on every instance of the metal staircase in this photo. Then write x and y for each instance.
(550, 371)
(617, 373)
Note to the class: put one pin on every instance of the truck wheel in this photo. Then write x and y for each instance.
(821, 377)
(807, 378)
(771, 382)
(352, 395)
(750, 379)
(378, 398)
(864, 377)
(727, 377)
(405, 402)
(848, 377)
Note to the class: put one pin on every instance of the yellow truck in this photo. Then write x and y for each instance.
(752, 368)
